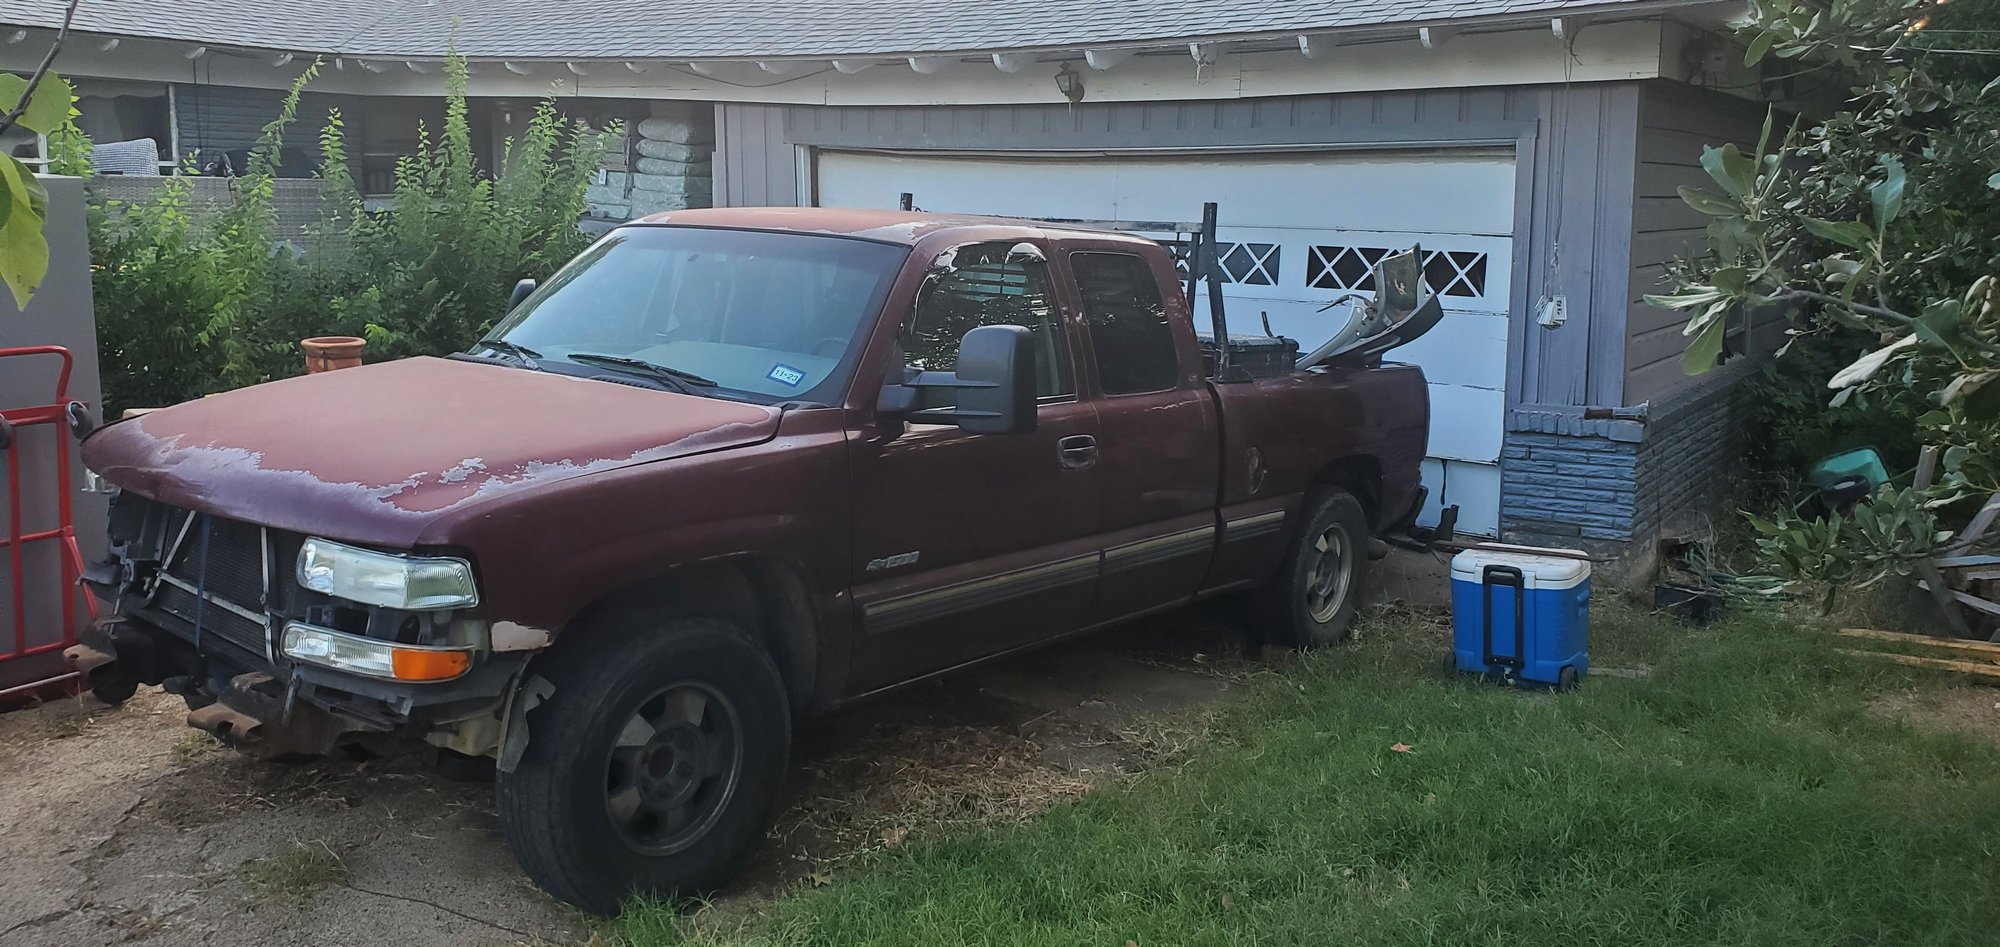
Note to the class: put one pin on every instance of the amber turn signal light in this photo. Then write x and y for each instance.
(409, 664)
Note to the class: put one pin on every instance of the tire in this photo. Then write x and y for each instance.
(1302, 606)
(111, 688)
(706, 731)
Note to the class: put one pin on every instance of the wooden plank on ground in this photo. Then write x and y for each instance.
(1991, 671)
(1981, 522)
(1932, 581)
(1986, 648)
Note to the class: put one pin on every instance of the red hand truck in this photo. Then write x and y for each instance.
(68, 419)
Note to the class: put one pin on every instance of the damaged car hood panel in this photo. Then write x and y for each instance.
(381, 453)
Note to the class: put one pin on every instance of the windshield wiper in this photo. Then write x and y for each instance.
(687, 383)
(515, 349)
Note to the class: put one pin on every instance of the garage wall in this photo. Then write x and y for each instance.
(754, 165)
(1574, 148)
(1675, 122)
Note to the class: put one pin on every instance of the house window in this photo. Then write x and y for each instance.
(1460, 273)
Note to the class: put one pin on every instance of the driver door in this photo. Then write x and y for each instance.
(969, 545)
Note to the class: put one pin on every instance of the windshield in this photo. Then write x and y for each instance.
(769, 316)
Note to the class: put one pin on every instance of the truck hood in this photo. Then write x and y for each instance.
(377, 454)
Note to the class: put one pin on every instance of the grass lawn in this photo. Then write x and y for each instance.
(1749, 790)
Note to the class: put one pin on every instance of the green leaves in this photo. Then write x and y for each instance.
(1851, 234)
(47, 111)
(1938, 323)
(1867, 365)
(1731, 168)
(1759, 47)
(24, 251)
(1709, 330)
(1886, 196)
(1710, 203)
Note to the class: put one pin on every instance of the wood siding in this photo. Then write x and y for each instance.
(1675, 122)
(755, 166)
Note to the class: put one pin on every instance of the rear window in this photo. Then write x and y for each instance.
(1127, 320)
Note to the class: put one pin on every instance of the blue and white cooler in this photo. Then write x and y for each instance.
(1521, 614)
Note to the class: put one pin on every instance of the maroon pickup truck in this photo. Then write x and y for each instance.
(725, 469)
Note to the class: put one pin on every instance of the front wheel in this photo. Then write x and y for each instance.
(652, 767)
(1311, 602)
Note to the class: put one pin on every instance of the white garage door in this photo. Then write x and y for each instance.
(1298, 231)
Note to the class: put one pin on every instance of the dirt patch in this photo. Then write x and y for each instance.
(1971, 710)
(126, 829)
(999, 744)
(120, 825)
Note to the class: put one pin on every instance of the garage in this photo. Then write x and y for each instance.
(1299, 230)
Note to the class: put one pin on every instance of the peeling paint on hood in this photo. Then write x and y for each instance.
(375, 454)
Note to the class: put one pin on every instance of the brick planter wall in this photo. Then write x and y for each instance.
(1609, 486)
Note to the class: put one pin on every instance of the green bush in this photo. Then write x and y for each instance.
(1877, 227)
(188, 307)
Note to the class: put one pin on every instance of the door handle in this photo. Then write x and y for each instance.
(1077, 451)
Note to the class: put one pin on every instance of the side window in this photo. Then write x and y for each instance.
(987, 284)
(1127, 321)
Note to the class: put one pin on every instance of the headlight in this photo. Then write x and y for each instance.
(380, 578)
(373, 657)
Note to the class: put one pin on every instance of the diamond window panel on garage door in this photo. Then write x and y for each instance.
(1460, 273)
(1253, 264)
(1248, 264)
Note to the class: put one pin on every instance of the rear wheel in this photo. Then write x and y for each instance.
(1311, 602)
(653, 766)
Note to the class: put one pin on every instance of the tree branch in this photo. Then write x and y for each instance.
(35, 79)
(1878, 312)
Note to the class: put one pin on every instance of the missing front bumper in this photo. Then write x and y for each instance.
(253, 715)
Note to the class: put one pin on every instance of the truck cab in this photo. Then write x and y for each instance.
(725, 469)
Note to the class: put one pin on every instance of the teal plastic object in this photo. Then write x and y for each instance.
(1864, 463)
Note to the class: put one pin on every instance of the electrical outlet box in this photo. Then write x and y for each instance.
(1554, 312)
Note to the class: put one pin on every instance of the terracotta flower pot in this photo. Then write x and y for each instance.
(330, 352)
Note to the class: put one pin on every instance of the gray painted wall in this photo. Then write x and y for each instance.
(1573, 211)
(60, 314)
(1675, 121)
(1576, 245)
(754, 165)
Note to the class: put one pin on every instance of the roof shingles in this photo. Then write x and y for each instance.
(725, 29)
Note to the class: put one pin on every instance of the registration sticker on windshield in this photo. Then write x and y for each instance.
(786, 375)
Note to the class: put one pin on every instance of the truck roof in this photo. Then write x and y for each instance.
(888, 226)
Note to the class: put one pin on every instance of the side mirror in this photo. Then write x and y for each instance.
(995, 382)
(522, 290)
(1399, 280)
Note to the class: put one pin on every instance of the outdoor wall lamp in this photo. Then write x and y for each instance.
(1070, 83)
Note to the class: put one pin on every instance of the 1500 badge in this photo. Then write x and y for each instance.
(896, 561)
